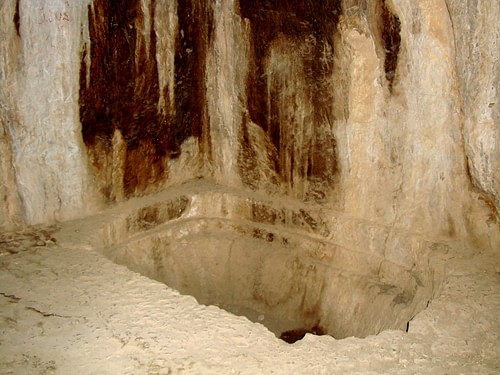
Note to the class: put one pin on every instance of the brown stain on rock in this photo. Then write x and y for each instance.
(263, 235)
(303, 23)
(152, 216)
(391, 38)
(120, 90)
(263, 213)
(17, 19)
(294, 19)
(191, 115)
(123, 90)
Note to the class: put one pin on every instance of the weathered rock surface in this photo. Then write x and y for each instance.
(41, 50)
(291, 265)
(478, 67)
(324, 150)
(68, 311)
(385, 110)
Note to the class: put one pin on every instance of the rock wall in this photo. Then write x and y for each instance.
(41, 46)
(10, 206)
(434, 187)
(478, 68)
(384, 110)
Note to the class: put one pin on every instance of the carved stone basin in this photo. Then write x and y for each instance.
(290, 267)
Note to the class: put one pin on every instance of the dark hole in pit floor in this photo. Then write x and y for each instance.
(295, 335)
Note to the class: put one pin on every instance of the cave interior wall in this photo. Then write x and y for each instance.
(381, 110)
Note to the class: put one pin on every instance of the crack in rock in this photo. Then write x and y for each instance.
(11, 297)
(47, 314)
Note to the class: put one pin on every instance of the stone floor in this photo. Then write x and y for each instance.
(71, 311)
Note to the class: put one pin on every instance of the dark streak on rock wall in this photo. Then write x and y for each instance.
(17, 19)
(391, 37)
(195, 32)
(297, 21)
(123, 93)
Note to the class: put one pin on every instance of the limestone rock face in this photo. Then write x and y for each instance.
(478, 67)
(297, 159)
(10, 210)
(385, 112)
(41, 48)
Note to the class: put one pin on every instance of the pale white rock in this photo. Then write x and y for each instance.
(417, 162)
(366, 136)
(47, 148)
(11, 210)
(434, 188)
(477, 43)
(227, 70)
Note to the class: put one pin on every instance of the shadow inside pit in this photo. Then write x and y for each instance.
(295, 335)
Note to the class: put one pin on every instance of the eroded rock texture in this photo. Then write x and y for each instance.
(40, 52)
(335, 141)
(478, 67)
(384, 109)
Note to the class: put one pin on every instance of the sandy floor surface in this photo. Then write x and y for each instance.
(71, 311)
